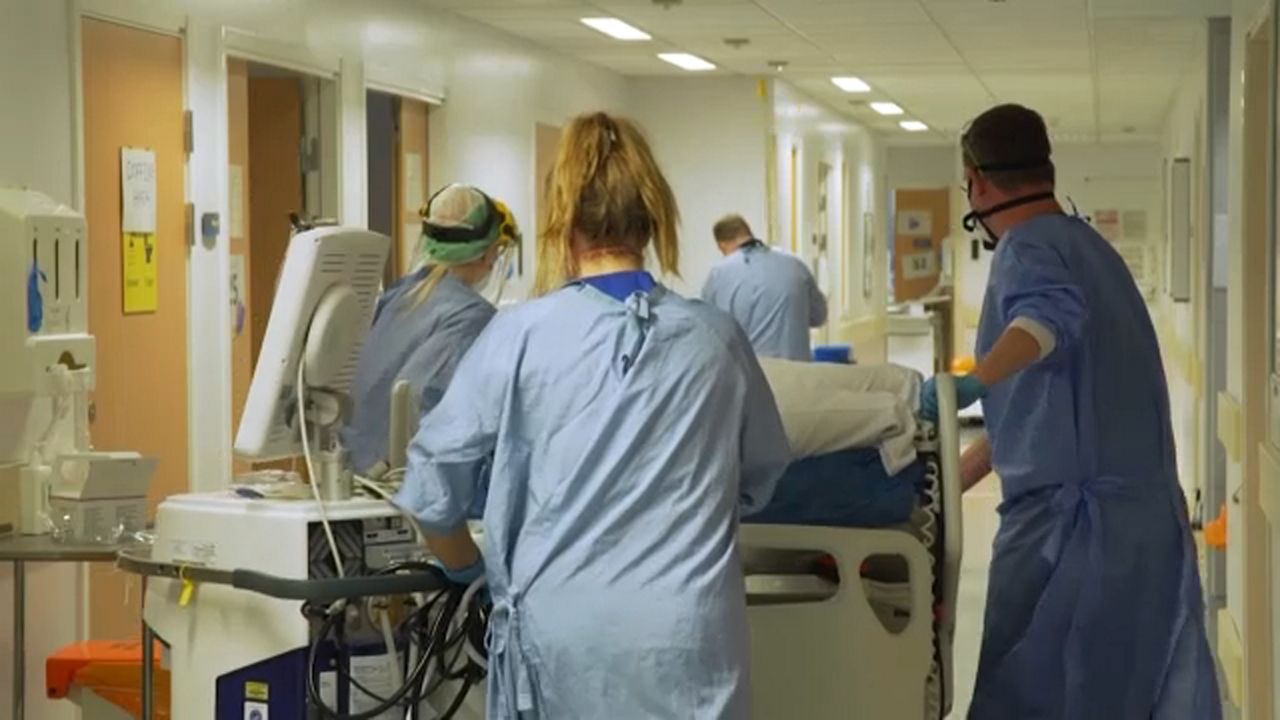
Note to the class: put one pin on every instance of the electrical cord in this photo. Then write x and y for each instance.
(311, 471)
(444, 629)
(383, 493)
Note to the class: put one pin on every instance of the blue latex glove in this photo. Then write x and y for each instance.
(968, 391)
(466, 575)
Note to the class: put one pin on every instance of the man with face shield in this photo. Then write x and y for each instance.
(1094, 604)
(427, 321)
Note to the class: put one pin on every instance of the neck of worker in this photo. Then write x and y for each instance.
(470, 273)
(1003, 222)
(607, 257)
(733, 246)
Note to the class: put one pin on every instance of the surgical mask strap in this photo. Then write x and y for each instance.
(974, 217)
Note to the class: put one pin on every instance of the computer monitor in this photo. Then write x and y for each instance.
(323, 307)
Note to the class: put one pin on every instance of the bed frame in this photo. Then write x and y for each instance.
(819, 649)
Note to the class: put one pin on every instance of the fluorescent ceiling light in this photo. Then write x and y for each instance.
(686, 61)
(886, 108)
(913, 126)
(616, 29)
(851, 84)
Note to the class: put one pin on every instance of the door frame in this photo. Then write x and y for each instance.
(388, 88)
(1255, 240)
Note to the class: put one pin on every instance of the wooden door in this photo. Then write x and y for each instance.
(412, 188)
(133, 98)
(274, 168)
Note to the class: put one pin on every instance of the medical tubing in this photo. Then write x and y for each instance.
(389, 640)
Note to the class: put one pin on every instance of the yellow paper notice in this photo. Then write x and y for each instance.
(141, 292)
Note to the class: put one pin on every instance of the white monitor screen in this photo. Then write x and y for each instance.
(324, 300)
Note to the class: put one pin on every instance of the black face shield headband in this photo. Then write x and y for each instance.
(455, 234)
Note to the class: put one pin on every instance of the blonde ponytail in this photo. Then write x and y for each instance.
(607, 187)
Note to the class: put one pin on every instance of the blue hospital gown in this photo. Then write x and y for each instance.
(1094, 605)
(773, 297)
(420, 343)
(626, 438)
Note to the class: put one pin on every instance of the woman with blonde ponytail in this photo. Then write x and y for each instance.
(628, 429)
(427, 321)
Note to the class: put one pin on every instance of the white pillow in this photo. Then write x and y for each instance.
(827, 407)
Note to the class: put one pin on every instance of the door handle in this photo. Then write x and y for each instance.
(93, 411)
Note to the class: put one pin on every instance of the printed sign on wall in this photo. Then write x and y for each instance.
(915, 222)
(141, 292)
(916, 266)
(138, 230)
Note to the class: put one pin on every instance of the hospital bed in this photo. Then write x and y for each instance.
(852, 622)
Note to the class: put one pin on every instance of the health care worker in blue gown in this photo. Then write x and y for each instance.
(426, 321)
(1094, 604)
(629, 429)
(773, 296)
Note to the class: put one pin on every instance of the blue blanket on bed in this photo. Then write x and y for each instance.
(849, 488)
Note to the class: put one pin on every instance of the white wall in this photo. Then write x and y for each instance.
(1179, 323)
(709, 136)
(923, 167)
(36, 152)
(858, 185)
(1184, 329)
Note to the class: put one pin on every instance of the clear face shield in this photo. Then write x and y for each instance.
(502, 270)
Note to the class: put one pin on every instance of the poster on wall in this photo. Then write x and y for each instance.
(919, 265)
(869, 241)
(1107, 223)
(137, 190)
(138, 231)
(238, 281)
(915, 222)
(820, 237)
(141, 291)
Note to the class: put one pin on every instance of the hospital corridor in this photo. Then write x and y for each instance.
(640, 359)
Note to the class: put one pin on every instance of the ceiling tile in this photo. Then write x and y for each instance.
(1032, 51)
(1033, 47)
(1162, 8)
(1063, 99)
(1146, 60)
(1127, 32)
(683, 20)
(888, 44)
(806, 14)
(489, 4)
(955, 14)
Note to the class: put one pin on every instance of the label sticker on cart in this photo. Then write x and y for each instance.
(257, 691)
(193, 552)
(256, 711)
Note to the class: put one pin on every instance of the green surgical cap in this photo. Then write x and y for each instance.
(459, 225)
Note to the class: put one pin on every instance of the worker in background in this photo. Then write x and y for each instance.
(1094, 605)
(630, 428)
(426, 321)
(773, 296)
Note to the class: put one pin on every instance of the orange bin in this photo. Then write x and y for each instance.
(112, 669)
